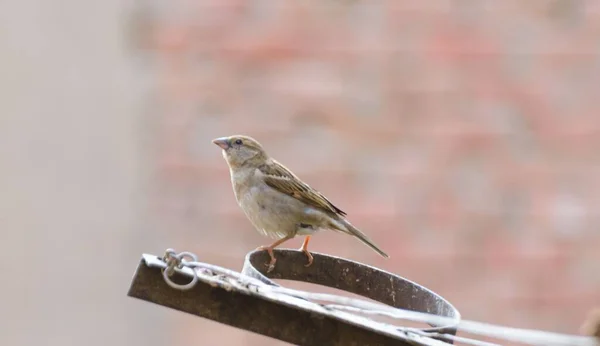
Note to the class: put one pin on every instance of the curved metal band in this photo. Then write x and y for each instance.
(354, 277)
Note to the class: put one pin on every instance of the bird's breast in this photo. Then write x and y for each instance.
(241, 181)
(272, 212)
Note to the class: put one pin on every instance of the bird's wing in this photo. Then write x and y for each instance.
(282, 179)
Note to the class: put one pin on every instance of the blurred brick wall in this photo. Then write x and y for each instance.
(463, 136)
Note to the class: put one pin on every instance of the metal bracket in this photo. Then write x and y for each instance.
(293, 319)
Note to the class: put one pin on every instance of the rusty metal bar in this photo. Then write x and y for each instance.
(289, 321)
(353, 277)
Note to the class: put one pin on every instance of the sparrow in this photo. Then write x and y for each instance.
(277, 203)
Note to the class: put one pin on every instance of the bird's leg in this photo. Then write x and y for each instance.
(270, 248)
(304, 248)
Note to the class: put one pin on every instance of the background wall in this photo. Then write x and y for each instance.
(463, 136)
(74, 169)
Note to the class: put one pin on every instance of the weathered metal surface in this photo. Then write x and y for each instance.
(353, 277)
(296, 323)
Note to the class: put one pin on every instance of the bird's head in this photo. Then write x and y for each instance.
(239, 150)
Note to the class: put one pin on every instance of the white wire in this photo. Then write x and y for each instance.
(420, 332)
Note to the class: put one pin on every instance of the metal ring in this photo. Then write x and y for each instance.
(166, 275)
(187, 256)
(354, 277)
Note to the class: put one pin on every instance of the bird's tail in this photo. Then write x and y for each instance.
(350, 229)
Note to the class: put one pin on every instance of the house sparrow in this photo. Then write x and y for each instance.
(276, 201)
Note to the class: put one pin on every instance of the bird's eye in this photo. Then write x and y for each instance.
(238, 141)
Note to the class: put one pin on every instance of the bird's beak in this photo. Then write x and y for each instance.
(223, 142)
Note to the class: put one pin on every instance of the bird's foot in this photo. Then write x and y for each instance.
(310, 258)
(271, 265)
(304, 248)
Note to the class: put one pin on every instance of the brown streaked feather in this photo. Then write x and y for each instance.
(279, 177)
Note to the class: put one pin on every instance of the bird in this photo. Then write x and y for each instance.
(277, 202)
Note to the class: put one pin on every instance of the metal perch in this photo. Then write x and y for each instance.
(253, 302)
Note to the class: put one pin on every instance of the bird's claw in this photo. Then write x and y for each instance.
(309, 256)
(271, 265)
